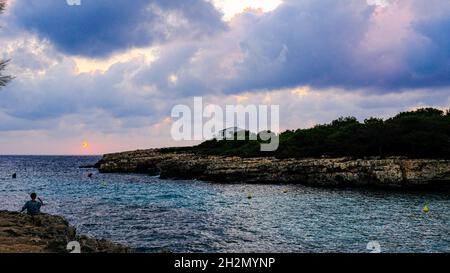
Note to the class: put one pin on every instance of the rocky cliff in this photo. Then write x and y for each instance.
(388, 172)
(21, 233)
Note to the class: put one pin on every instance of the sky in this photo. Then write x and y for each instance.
(103, 76)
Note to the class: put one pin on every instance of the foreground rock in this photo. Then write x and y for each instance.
(389, 172)
(21, 233)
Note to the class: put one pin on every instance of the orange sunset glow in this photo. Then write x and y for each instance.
(85, 145)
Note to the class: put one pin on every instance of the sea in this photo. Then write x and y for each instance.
(154, 215)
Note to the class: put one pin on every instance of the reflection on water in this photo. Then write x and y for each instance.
(192, 216)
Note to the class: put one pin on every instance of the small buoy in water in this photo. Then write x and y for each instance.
(426, 209)
(250, 196)
(104, 184)
(90, 175)
(14, 176)
(285, 191)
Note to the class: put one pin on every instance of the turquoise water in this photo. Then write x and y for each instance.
(154, 215)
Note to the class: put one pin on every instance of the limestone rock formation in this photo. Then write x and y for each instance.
(395, 172)
(21, 233)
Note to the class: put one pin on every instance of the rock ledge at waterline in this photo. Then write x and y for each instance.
(392, 172)
(44, 233)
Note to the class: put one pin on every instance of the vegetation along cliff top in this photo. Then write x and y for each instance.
(423, 133)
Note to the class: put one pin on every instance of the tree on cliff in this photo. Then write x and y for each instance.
(423, 133)
(3, 78)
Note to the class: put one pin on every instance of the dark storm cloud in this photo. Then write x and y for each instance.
(98, 28)
(321, 44)
(344, 44)
(429, 62)
(302, 43)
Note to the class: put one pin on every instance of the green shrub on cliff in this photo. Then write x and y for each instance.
(424, 133)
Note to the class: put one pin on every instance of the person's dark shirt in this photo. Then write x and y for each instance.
(33, 207)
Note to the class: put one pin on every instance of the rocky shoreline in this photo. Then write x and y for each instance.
(21, 233)
(392, 172)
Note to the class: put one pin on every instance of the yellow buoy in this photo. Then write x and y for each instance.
(285, 191)
(250, 196)
(426, 209)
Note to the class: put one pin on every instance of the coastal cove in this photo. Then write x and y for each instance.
(150, 214)
(224, 135)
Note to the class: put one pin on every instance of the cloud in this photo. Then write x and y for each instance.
(351, 57)
(347, 44)
(48, 86)
(429, 59)
(98, 28)
(382, 46)
(301, 43)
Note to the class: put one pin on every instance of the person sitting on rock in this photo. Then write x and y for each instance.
(33, 207)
